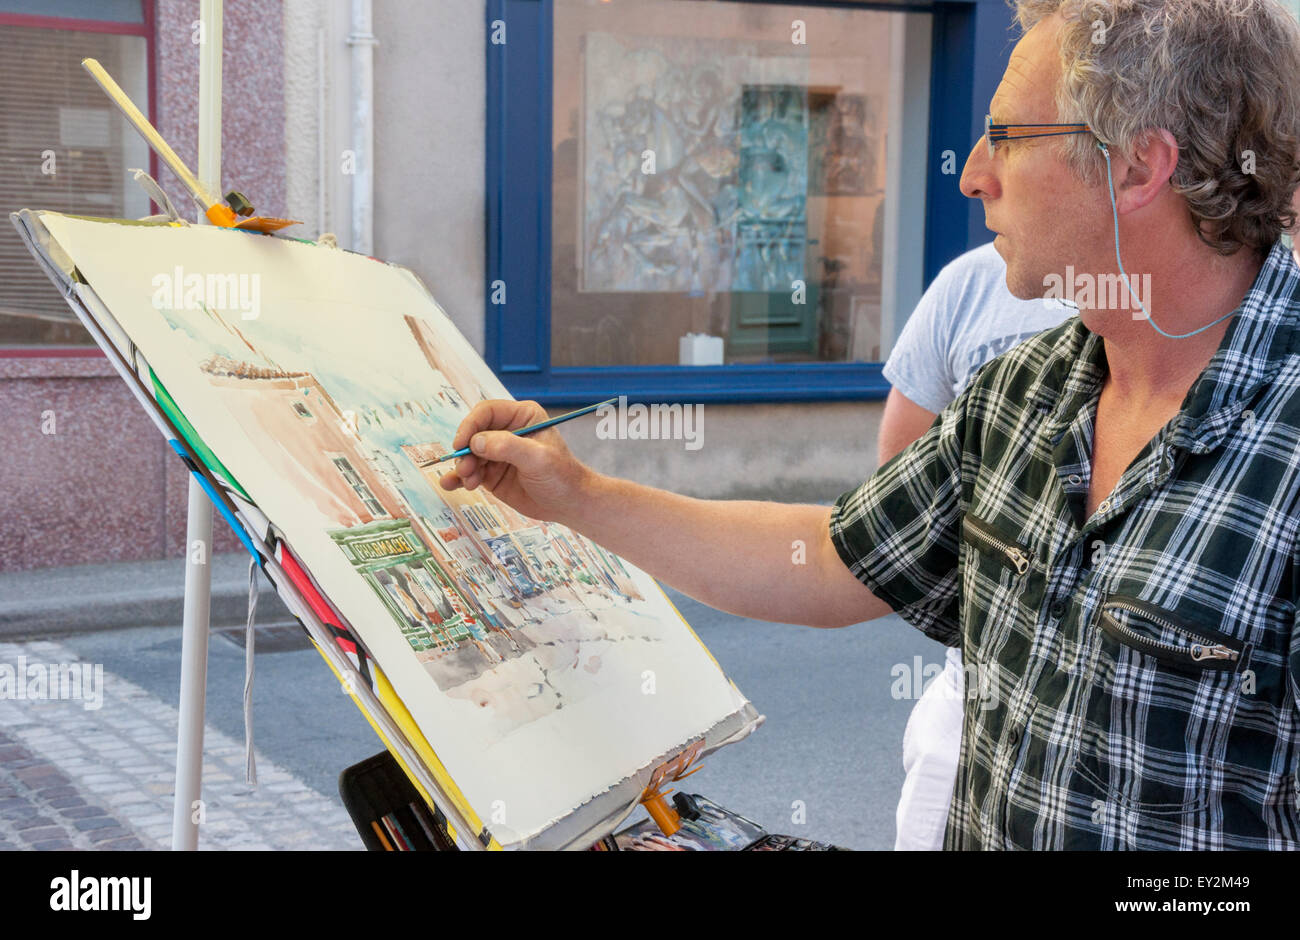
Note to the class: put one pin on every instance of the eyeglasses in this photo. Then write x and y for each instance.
(996, 132)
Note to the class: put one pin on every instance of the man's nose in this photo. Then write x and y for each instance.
(977, 178)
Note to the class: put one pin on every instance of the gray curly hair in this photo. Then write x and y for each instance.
(1222, 76)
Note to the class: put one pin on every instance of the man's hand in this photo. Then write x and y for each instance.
(535, 474)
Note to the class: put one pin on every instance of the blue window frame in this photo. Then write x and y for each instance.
(970, 42)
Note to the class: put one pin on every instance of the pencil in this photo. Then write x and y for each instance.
(401, 832)
(541, 425)
(392, 834)
(382, 838)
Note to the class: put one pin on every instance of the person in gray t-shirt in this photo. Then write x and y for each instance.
(966, 317)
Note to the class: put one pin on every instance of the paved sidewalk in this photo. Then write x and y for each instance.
(86, 598)
(81, 777)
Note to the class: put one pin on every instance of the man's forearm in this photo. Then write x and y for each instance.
(763, 560)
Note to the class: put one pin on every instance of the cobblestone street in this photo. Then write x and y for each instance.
(41, 808)
(73, 777)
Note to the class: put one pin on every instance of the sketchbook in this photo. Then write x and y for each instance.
(529, 681)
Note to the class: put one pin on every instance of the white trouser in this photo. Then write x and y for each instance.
(931, 747)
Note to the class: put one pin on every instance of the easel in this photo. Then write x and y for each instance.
(198, 524)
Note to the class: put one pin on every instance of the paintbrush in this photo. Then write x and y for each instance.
(465, 451)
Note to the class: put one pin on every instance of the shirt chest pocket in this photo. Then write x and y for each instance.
(1160, 703)
(1001, 591)
(1188, 648)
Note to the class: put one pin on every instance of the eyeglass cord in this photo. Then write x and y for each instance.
(1110, 186)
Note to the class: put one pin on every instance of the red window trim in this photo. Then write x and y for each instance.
(81, 26)
(147, 29)
(51, 352)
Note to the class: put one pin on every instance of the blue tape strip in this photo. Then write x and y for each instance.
(219, 503)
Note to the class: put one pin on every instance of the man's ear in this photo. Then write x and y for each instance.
(1146, 174)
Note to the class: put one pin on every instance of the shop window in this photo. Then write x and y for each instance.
(719, 182)
(63, 146)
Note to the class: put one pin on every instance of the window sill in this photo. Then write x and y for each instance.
(795, 382)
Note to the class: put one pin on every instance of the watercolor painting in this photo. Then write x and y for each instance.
(513, 642)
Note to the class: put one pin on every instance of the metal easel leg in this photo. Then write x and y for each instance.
(198, 537)
(194, 670)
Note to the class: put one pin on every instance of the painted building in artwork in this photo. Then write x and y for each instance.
(534, 556)
(599, 564)
(334, 473)
(481, 581)
(501, 536)
(378, 530)
(410, 581)
(446, 364)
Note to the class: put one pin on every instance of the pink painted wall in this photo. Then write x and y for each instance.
(252, 112)
(105, 486)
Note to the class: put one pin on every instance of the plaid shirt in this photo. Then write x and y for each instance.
(1132, 677)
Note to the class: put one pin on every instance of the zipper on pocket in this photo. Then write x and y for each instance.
(1202, 651)
(982, 534)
